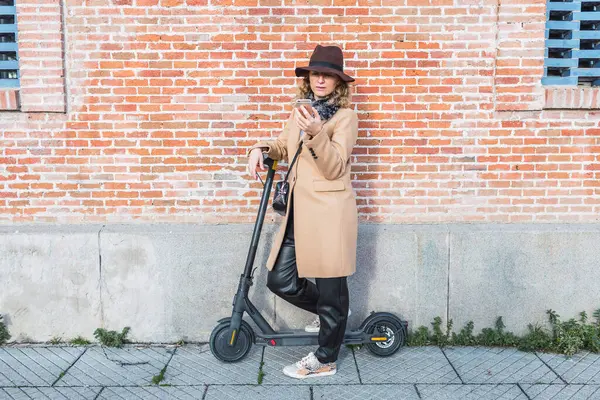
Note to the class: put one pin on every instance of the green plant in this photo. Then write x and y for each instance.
(537, 338)
(439, 337)
(566, 337)
(496, 336)
(597, 318)
(111, 338)
(55, 340)
(159, 378)
(465, 336)
(79, 341)
(4, 335)
(592, 334)
(419, 338)
(261, 373)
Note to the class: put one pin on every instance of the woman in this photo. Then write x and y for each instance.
(318, 237)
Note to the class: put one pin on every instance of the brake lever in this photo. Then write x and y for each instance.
(261, 181)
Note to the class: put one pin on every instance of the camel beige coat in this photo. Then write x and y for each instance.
(325, 215)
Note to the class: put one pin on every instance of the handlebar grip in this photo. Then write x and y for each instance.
(267, 161)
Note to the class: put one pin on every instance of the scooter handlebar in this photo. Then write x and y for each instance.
(267, 161)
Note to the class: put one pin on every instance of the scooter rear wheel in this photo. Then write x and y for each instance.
(219, 342)
(392, 329)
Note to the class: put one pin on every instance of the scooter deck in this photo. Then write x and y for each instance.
(299, 337)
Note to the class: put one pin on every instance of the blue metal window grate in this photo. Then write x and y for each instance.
(9, 62)
(572, 43)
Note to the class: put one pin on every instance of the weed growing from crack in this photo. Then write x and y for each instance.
(111, 338)
(419, 338)
(261, 373)
(497, 336)
(465, 336)
(159, 378)
(439, 338)
(537, 338)
(79, 341)
(571, 336)
(564, 337)
(56, 340)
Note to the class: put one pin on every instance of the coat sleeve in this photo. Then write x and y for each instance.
(332, 155)
(276, 149)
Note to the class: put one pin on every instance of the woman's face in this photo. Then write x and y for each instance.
(322, 84)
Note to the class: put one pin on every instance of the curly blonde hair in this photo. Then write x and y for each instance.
(340, 95)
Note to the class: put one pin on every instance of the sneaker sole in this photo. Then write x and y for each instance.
(310, 375)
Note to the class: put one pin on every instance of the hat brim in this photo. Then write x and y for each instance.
(303, 71)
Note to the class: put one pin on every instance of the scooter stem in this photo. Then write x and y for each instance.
(239, 301)
(262, 210)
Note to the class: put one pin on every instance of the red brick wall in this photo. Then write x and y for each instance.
(164, 97)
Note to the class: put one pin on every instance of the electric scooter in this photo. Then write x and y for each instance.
(382, 333)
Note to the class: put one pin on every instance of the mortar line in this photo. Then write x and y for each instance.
(551, 369)
(356, 366)
(168, 362)
(496, 52)
(452, 365)
(261, 363)
(5, 362)
(310, 390)
(205, 391)
(98, 395)
(417, 390)
(183, 385)
(526, 395)
(34, 361)
(63, 18)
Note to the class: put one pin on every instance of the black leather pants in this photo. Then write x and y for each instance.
(328, 298)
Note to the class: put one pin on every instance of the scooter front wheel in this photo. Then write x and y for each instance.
(219, 342)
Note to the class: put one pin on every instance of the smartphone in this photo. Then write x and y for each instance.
(307, 103)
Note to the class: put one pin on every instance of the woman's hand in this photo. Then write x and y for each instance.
(310, 124)
(255, 159)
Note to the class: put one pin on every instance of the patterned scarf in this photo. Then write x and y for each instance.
(322, 106)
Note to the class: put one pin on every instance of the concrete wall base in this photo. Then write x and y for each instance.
(173, 282)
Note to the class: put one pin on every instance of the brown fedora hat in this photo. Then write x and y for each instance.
(327, 59)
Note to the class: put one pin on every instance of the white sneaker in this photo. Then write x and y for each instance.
(309, 367)
(315, 326)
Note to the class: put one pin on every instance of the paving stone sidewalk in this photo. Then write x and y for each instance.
(191, 372)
